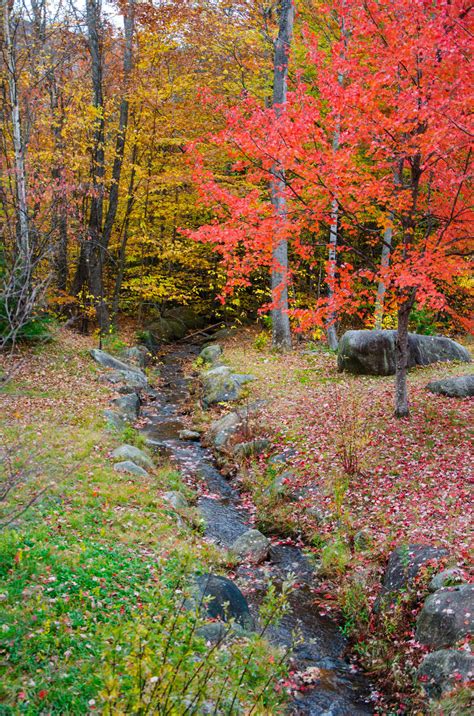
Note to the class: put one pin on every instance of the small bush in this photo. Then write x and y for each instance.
(355, 607)
(112, 343)
(160, 662)
(131, 436)
(36, 329)
(261, 341)
(335, 556)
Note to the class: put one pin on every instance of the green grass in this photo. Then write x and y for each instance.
(98, 562)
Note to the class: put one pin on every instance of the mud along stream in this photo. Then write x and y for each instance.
(337, 690)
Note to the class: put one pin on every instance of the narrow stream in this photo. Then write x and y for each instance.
(338, 690)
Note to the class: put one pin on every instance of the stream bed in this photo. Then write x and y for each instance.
(337, 688)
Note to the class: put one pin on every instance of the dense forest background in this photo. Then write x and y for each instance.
(100, 200)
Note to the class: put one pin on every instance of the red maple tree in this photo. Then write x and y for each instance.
(403, 160)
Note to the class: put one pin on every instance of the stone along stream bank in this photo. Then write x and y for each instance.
(332, 687)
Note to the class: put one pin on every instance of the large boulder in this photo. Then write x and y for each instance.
(443, 670)
(107, 361)
(137, 356)
(404, 564)
(128, 406)
(219, 386)
(222, 430)
(252, 546)
(130, 452)
(223, 600)
(373, 352)
(461, 386)
(211, 354)
(447, 616)
(130, 468)
(114, 420)
(173, 324)
(446, 578)
(126, 381)
(251, 448)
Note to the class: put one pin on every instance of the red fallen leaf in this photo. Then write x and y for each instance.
(42, 694)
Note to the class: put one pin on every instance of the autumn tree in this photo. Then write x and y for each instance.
(402, 163)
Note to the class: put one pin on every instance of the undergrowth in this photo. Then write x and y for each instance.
(95, 574)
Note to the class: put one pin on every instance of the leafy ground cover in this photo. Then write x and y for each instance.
(359, 483)
(94, 575)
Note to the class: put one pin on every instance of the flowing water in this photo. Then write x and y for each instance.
(337, 689)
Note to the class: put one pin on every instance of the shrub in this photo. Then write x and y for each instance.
(160, 662)
(261, 341)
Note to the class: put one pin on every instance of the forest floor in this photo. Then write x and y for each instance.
(87, 567)
(359, 483)
(83, 568)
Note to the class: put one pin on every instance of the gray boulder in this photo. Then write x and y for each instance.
(282, 458)
(176, 500)
(252, 546)
(369, 352)
(251, 448)
(219, 386)
(130, 452)
(280, 485)
(126, 380)
(114, 420)
(405, 563)
(188, 435)
(211, 354)
(213, 632)
(443, 670)
(447, 616)
(137, 356)
(446, 578)
(243, 378)
(461, 386)
(223, 600)
(222, 430)
(128, 406)
(129, 467)
(107, 361)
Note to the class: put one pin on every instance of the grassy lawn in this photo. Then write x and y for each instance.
(94, 574)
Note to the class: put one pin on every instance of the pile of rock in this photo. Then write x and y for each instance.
(445, 619)
(220, 384)
(127, 379)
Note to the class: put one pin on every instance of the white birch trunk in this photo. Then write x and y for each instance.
(23, 233)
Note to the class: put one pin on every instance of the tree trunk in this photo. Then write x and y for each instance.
(384, 263)
(92, 249)
(386, 251)
(128, 25)
(331, 319)
(401, 358)
(123, 243)
(59, 218)
(23, 228)
(331, 330)
(281, 334)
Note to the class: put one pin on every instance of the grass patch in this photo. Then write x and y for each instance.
(94, 574)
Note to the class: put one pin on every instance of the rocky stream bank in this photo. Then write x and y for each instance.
(325, 682)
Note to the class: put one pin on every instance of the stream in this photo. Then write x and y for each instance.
(338, 689)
